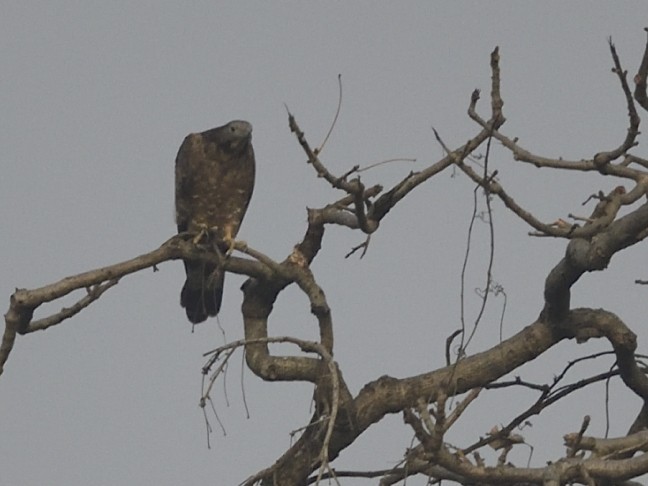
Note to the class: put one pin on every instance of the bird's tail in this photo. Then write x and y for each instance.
(202, 292)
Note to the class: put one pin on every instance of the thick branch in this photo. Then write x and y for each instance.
(391, 395)
(589, 255)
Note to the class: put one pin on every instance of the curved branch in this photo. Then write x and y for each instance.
(585, 256)
(590, 323)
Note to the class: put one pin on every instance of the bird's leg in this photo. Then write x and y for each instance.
(229, 241)
(204, 231)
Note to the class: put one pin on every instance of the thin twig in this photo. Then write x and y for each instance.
(335, 118)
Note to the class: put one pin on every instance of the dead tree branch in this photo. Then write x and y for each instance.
(617, 222)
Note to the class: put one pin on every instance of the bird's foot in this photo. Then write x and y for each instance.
(235, 245)
(204, 231)
(229, 241)
(231, 244)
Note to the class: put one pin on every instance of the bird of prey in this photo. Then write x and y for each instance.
(214, 179)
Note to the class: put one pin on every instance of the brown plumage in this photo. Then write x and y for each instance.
(214, 175)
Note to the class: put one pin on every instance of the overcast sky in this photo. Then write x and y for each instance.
(95, 99)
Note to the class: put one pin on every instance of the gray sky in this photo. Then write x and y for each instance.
(96, 98)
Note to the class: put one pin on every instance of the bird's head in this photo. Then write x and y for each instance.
(235, 135)
(231, 139)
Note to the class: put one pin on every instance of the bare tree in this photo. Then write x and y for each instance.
(430, 403)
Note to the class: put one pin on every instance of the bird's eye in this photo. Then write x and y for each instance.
(232, 128)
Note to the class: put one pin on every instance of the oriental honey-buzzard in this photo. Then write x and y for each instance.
(214, 179)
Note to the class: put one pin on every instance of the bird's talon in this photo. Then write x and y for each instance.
(203, 232)
(231, 244)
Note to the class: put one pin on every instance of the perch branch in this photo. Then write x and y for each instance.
(24, 302)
